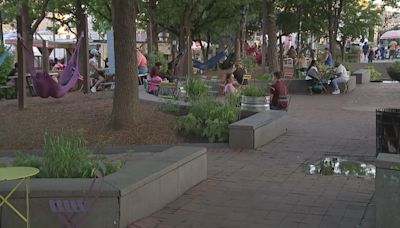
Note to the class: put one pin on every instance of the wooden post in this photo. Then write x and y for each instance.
(21, 66)
(45, 56)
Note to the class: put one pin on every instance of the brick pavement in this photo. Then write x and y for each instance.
(267, 187)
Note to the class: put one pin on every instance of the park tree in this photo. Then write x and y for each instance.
(270, 20)
(126, 97)
(355, 22)
(32, 13)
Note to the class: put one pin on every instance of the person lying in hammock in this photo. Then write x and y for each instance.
(94, 70)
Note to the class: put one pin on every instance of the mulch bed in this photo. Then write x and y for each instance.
(91, 113)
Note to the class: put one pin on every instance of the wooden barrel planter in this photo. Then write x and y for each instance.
(257, 104)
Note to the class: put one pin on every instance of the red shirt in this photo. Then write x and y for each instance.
(280, 89)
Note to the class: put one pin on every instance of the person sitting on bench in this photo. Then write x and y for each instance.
(94, 70)
(341, 77)
(153, 81)
(278, 89)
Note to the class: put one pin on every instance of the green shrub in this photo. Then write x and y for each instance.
(65, 156)
(395, 66)
(265, 77)
(202, 108)
(253, 91)
(189, 125)
(375, 75)
(195, 88)
(216, 130)
(169, 107)
(157, 56)
(22, 159)
(7, 65)
(210, 118)
(249, 62)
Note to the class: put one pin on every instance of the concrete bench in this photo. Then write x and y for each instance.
(139, 189)
(362, 76)
(257, 130)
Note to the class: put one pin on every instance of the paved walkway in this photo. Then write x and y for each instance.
(269, 188)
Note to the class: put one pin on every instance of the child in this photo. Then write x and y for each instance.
(371, 55)
(229, 81)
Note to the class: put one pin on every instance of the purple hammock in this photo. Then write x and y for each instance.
(42, 82)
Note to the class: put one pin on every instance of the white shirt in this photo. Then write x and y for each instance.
(342, 72)
(93, 65)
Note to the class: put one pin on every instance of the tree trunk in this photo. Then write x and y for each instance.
(126, 97)
(237, 46)
(264, 39)
(27, 31)
(153, 24)
(272, 37)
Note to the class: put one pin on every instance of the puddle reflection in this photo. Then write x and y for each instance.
(338, 166)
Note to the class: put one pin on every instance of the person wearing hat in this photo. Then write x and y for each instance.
(94, 70)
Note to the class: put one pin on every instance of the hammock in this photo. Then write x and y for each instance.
(45, 86)
(209, 63)
(4, 55)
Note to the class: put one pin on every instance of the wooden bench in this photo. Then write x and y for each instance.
(257, 130)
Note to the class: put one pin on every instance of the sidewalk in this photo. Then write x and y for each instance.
(269, 188)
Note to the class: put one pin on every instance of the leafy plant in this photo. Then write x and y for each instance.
(375, 75)
(395, 67)
(157, 56)
(216, 130)
(249, 62)
(265, 77)
(189, 125)
(253, 91)
(210, 118)
(22, 159)
(170, 107)
(195, 88)
(7, 65)
(65, 156)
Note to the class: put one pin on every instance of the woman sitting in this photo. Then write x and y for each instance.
(229, 84)
(153, 81)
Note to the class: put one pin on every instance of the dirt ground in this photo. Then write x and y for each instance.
(91, 113)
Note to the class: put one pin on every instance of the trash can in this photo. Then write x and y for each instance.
(388, 131)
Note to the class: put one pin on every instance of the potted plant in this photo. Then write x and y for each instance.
(254, 98)
(394, 71)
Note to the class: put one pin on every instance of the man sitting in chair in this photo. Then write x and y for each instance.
(278, 90)
(341, 77)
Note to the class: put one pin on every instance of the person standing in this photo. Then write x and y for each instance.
(141, 62)
(365, 49)
(239, 72)
(327, 57)
(392, 49)
(382, 51)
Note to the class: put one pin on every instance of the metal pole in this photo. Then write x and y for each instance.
(54, 38)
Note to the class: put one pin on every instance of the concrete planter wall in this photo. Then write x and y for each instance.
(136, 191)
(363, 76)
(387, 190)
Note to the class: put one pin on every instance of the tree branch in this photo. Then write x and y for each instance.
(41, 17)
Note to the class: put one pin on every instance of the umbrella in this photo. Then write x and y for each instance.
(393, 34)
